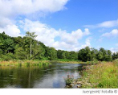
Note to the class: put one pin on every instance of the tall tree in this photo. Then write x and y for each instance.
(31, 36)
(108, 55)
(20, 53)
(100, 56)
(51, 53)
(104, 53)
(94, 53)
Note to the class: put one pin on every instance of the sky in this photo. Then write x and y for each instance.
(63, 24)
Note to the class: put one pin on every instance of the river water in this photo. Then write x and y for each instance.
(34, 77)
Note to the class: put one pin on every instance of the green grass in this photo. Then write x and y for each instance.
(24, 63)
(74, 61)
(29, 63)
(102, 75)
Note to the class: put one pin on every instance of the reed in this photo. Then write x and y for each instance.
(25, 63)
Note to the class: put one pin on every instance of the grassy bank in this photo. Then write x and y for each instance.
(102, 75)
(28, 63)
(74, 61)
(24, 63)
(66, 61)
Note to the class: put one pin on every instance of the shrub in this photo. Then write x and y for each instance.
(69, 80)
(8, 56)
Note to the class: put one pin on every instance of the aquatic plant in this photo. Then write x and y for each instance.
(69, 80)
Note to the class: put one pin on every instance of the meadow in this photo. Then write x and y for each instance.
(102, 75)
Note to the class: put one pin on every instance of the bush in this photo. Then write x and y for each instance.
(69, 80)
(8, 57)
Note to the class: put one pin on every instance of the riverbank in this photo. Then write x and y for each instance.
(74, 61)
(39, 62)
(102, 75)
(24, 63)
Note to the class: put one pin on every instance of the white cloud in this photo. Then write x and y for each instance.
(23, 7)
(114, 49)
(113, 33)
(47, 35)
(12, 9)
(74, 36)
(87, 43)
(5, 21)
(11, 30)
(106, 24)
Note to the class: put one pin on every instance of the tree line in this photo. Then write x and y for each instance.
(28, 47)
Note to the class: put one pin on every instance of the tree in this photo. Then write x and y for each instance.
(20, 53)
(81, 55)
(38, 52)
(115, 55)
(73, 55)
(94, 53)
(100, 56)
(51, 53)
(31, 36)
(28, 48)
(104, 53)
(85, 54)
(9, 45)
(88, 54)
(67, 54)
(108, 56)
(61, 54)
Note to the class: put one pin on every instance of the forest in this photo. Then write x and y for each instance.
(27, 47)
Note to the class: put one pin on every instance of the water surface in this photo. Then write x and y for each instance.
(36, 77)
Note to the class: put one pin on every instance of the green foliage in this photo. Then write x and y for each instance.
(51, 53)
(115, 56)
(28, 48)
(102, 75)
(69, 80)
(100, 56)
(61, 54)
(85, 54)
(73, 55)
(20, 53)
(8, 56)
(88, 54)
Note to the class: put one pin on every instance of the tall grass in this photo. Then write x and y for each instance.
(25, 63)
(75, 61)
(102, 75)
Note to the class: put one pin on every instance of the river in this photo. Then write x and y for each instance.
(35, 77)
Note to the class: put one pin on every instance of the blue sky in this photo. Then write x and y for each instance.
(63, 24)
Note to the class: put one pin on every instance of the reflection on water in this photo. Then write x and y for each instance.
(35, 77)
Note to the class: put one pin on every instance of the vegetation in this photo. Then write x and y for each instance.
(102, 75)
(25, 63)
(69, 80)
(28, 52)
(27, 48)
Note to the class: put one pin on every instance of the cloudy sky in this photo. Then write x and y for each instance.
(63, 24)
